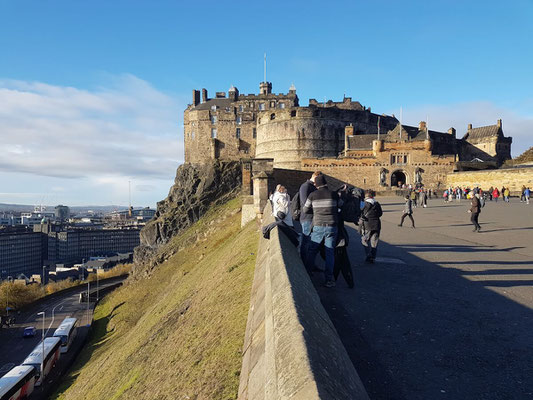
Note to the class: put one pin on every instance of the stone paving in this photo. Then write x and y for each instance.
(444, 313)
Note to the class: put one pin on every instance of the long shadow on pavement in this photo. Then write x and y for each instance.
(421, 331)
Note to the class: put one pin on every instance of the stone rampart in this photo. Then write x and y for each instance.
(291, 348)
(513, 178)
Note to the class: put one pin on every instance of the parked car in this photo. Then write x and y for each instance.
(29, 331)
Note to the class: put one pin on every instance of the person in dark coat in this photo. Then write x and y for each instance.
(407, 212)
(475, 210)
(306, 217)
(371, 225)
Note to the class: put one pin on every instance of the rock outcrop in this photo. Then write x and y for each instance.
(196, 188)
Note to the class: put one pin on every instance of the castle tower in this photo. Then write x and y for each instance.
(265, 88)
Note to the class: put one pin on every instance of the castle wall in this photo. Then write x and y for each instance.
(290, 135)
(513, 178)
(363, 168)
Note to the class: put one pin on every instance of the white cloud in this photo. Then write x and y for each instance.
(85, 145)
(518, 125)
(126, 130)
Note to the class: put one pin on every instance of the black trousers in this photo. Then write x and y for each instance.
(474, 218)
(410, 217)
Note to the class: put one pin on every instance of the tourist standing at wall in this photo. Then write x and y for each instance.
(475, 210)
(281, 202)
(324, 205)
(371, 225)
(306, 218)
(407, 212)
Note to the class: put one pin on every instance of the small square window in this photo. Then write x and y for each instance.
(213, 119)
(192, 135)
(261, 106)
(213, 108)
(214, 133)
(281, 105)
(239, 120)
(241, 108)
(272, 104)
(238, 133)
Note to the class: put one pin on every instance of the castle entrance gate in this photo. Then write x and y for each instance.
(397, 178)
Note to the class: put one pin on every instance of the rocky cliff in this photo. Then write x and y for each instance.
(196, 188)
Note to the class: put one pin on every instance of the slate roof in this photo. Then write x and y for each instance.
(361, 142)
(220, 103)
(482, 132)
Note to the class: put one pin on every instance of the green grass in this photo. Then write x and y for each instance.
(179, 333)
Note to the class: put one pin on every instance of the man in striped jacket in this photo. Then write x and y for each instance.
(324, 204)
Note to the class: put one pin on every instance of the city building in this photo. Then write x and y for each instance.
(20, 253)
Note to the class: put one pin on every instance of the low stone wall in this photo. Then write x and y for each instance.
(291, 348)
(513, 178)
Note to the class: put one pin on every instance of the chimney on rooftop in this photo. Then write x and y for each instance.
(499, 123)
(469, 127)
(451, 131)
(422, 126)
(195, 97)
(204, 95)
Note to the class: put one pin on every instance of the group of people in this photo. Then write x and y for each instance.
(492, 194)
(321, 213)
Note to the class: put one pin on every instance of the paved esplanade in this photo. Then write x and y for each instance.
(445, 313)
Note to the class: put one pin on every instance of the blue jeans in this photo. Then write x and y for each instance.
(329, 235)
(306, 238)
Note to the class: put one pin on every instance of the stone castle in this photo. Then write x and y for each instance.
(343, 139)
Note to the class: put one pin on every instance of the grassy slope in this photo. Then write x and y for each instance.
(178, 334)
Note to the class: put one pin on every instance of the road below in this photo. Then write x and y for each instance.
(444, 313)
(14, 349)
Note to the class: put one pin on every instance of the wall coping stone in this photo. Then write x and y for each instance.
(291, 348)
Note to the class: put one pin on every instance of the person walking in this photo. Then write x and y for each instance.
(523, 194)
(324, 204)
(496, 194)
(413, 197)
(424, 195)
(527, 194)
(475, 210)
(506, 194)
(306, 218)
(371, 225)
(407, 212)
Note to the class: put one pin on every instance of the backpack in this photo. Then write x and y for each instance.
(296, 209)
(350, 210)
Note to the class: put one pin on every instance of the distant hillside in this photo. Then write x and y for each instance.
(178, 333)
(525, 157)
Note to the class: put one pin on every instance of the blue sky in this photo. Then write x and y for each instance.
(92, 93)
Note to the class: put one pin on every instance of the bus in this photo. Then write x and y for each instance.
(17, 383)
(66, 332)
(51, 355)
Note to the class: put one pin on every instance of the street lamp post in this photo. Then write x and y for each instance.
(88, 300)
(42, 355)
(9, 280)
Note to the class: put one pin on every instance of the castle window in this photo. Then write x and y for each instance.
(251, 105)
(254, 133)
(214, 133)
(281, 105)
(293, 113)
(261, 106)
(272, 116)
(213, 119)
(238, 133)
(272, 104)
(192, 135)
(239, 120)
(241, 108)
(213, 108)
